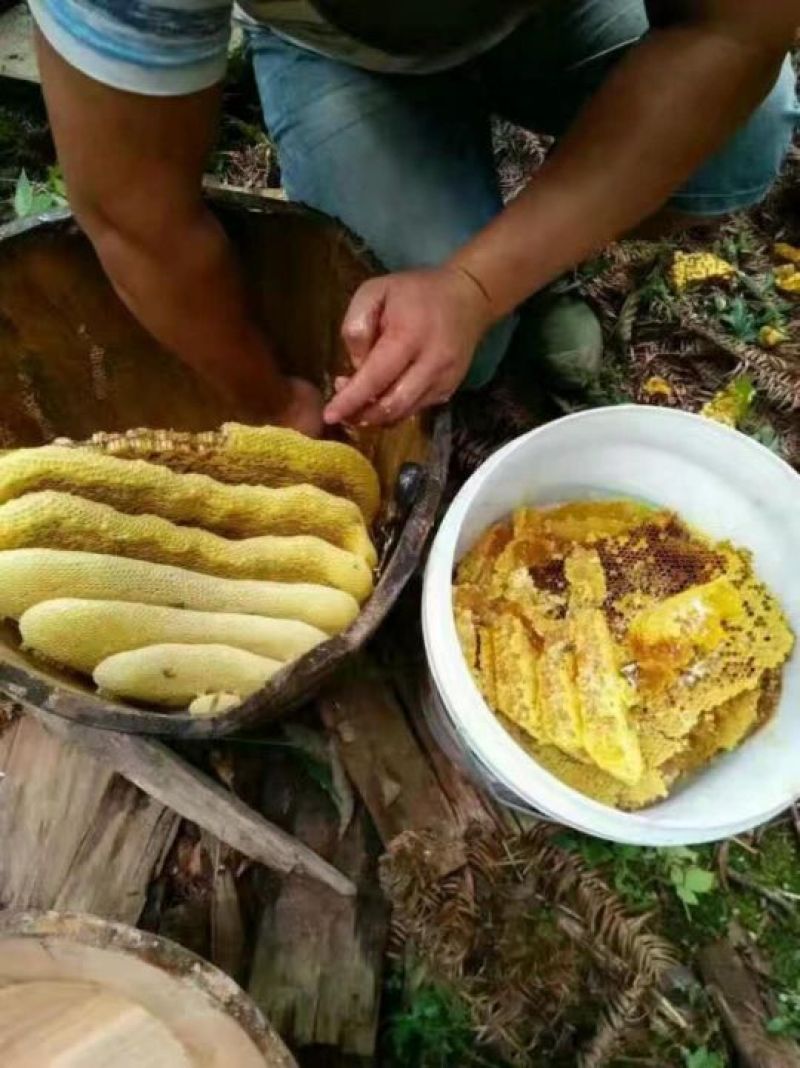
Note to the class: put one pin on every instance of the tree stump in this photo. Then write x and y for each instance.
(76, 835)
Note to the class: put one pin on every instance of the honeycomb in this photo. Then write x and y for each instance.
(622, 648)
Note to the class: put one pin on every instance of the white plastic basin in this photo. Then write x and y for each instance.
(716, 479)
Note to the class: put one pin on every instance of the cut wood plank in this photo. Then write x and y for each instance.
(318, 961)
(227, 927)
(401, 648)
(75, 835)
(742, 1009)
(407, 783)
(470, 804)
(382, 756)
(162, 774)
(17, 58)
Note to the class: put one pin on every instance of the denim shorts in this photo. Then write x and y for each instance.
(406, 162)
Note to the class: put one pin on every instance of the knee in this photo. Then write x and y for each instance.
(742, 173)
(490, 354)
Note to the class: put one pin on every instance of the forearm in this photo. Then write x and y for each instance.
(133, 165)
(181, 281)
(671, 103)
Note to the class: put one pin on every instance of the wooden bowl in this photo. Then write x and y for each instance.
(74, 361)
(81, 991)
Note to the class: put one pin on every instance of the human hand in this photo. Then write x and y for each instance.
(411, 337)
(303, 408)
(288, 402)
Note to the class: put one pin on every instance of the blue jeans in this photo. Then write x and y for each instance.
(406, 161)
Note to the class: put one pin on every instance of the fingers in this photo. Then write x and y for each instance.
(424, 385)
(362, 321)
(403, 398)
(387, 361)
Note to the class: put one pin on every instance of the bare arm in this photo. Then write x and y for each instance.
(673, 101)
(133, 167)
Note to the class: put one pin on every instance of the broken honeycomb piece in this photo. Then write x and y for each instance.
(541, 609)
(477, 564)
(603, 694)
(585, 578)
(661, 559)
(560, 721)
(785, 251)
(732, 403)
(656, 386)
(666, 637)
(467, 630)
(691, 269)
(787, 279)
(584, 522)
(515, 673)
(759, 641)
(658, 750)
(486, 676)
(605, 698)
(771, 336)
(721, 729)
(595, 783)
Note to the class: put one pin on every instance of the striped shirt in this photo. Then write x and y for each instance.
(172, 47)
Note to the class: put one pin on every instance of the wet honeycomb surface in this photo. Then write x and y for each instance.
(620, 647)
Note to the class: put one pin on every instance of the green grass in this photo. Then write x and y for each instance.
(429, 1026)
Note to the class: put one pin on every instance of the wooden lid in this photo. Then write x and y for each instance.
(79, 992)
(81, 1025)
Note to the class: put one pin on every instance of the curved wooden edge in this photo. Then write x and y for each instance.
(239, 198)
(168, 956)
(292, 686)
(222, 198)
(299, 681)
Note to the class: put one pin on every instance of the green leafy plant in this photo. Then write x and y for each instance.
(433, 1030)
(787, 1021)
(689, 880)
(31, 198)
(703, 1058)
(655, 293)
(740, 242)
(740, 320)
(639, 874)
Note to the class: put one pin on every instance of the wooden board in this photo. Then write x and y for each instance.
(318, 961)
(74, 833)
(739, 1003)
(73, 361)
(165, 776)
(406, 782)
(17, 58)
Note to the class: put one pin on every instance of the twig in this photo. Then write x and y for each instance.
(723, 852)
(782, 898)
(746, 846)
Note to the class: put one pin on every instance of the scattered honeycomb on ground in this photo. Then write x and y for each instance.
(621, 647)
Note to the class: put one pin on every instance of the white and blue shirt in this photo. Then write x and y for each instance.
(174, 47)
